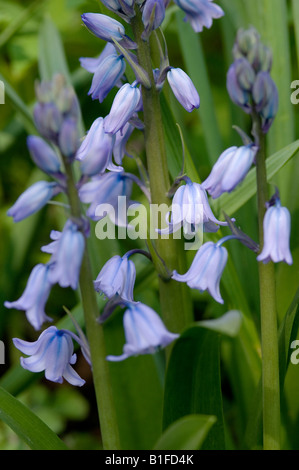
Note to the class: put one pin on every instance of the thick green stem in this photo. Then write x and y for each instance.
(176, 306)
(95, 335)
(269, 336)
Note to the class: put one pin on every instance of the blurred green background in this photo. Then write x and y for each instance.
(34, 34)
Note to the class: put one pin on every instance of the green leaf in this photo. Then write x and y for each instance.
(34, 432)
(193, 383)
(230, 203)
(187, 433)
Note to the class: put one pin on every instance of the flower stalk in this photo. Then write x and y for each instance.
(176, 305)
(269, 336)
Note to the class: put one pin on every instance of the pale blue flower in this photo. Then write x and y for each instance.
(190, 209)
(206, 270)
(200, 13)
(105, 190)
(106, 76)
(153, 14)
(67, 256)
(103, 26)
(265, 97)
(144, 331)
(43, 155)
(230, 170)
(68, 139)
(183, 89)
(92, 63)
(117, 277)
(124, 106)
(33, 199)
(95, 152)
(277, 228)
(35, 296)
(53, 353)
(239, 82)
(121, 138)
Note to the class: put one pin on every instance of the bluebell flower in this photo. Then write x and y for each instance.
(68, 139)
(121, 138)
(106, 76)
(144, 331)
(265, 97)
(103, 26)
(200, 13)
(95, 152)
(277, 228)
(230, 170)
(67, 257)
(153, 14)
(124, 106)
(33, 199)
(92, 63)
(190, 208)
(183, 89)
(117, 277)
(239, 82)
(53, 353)
(35, 296)
(206, 270)
(106, 190)
(43, 155)
(48, 120)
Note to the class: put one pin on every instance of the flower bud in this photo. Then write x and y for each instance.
(153, 14)
(43, 155)
(240, 80)
(68, 140)
(106, 76)
(103, 26)
(265, 97)
(183, 89)
(123, 107)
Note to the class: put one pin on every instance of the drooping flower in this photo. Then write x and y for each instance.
(117, 277)
(67, 256)
(190, 209)
(33, 199)
(277, 228)
(206, 270)
(53, 353)
(265, 97)
(104, 192)
(103, 26)
(43, 155)
(124, 106)
(95, 152)
(153, 14)
(144, 331)
(230, 170)
(35, 296)
(183, 89)
(239, 82)
(200, 13)
(92, 63)
(121, 139)
(106, 76)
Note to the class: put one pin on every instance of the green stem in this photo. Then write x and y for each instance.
(269, 335)
(95, 334)
(175, 301)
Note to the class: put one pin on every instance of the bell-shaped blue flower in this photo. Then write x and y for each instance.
(190, 209)
(183, 89)
(206, 270)
(200, 13)
(53, 353)
(35, 296)
(105, 190)
(265, 97)
(43, 155)
(67, 257)
(121, 139)
(277, 228)
(153, 14)
(124, 106)
(144, 331)
(95, 152)
(239, 82)
(33, 199)
(230, 170)
(48, 120)
(106, 76)
(103, 26)
(92, 63)
(68, 139)
(117, 277)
